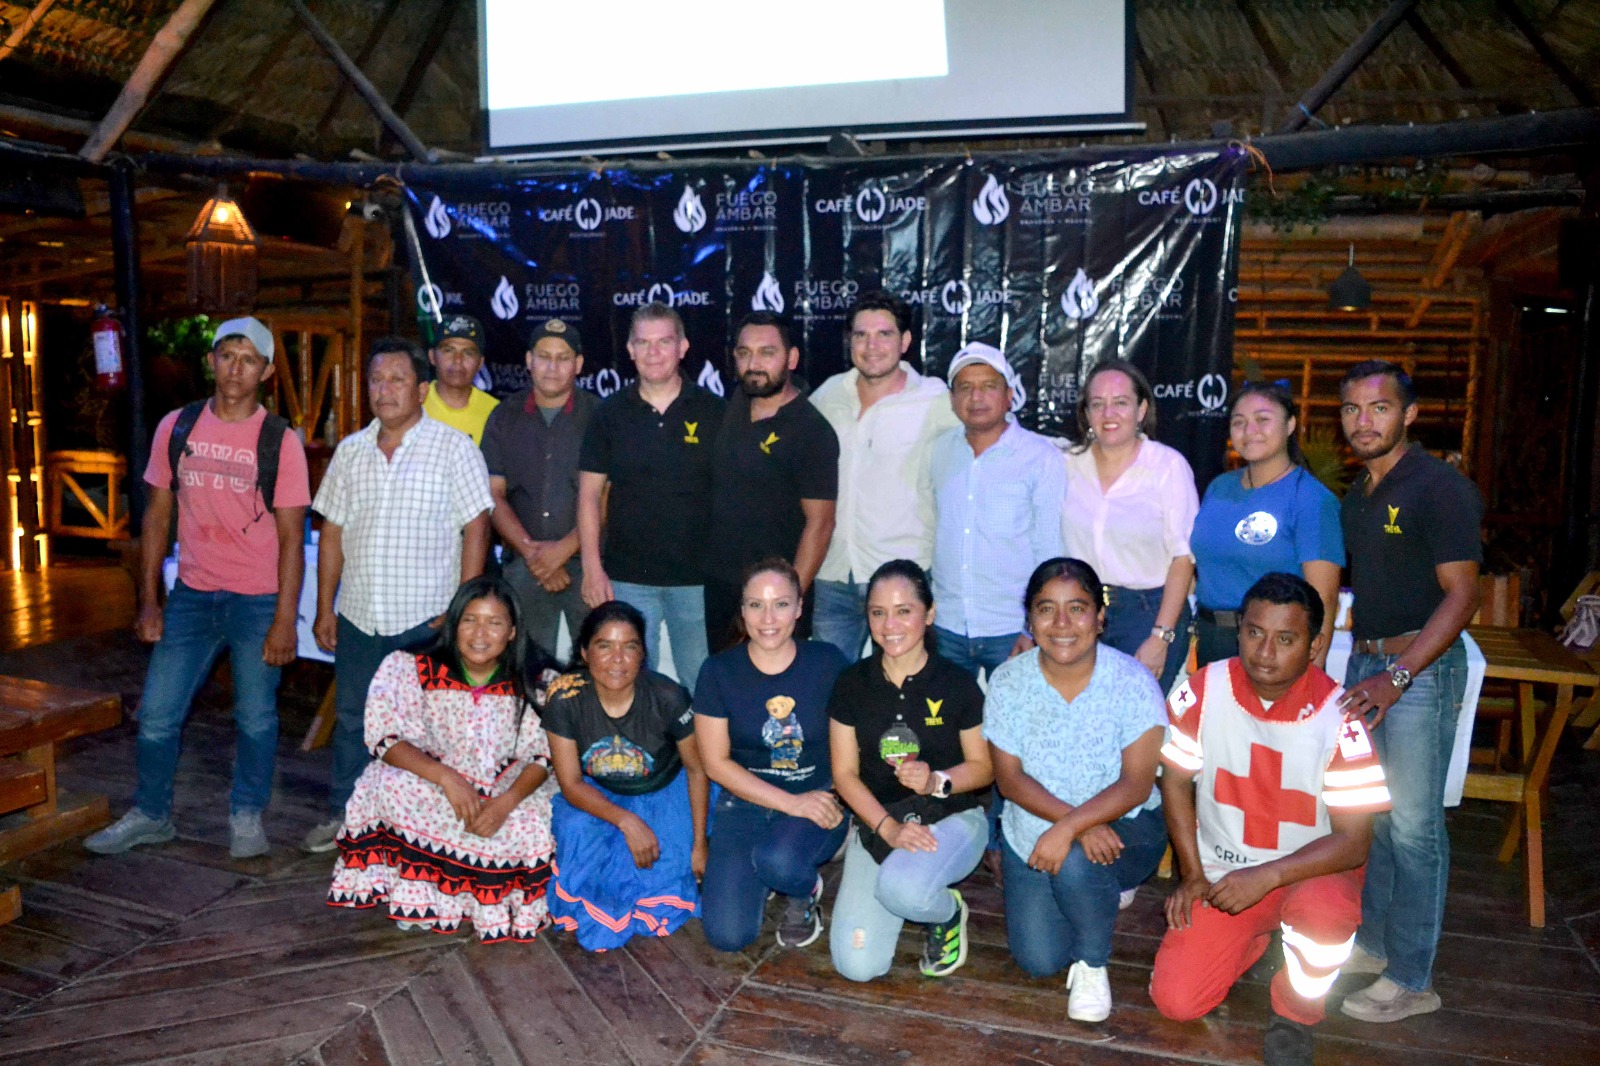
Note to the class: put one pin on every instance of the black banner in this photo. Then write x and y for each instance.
(1058, 264)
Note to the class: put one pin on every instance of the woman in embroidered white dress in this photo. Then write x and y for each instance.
(451, 821)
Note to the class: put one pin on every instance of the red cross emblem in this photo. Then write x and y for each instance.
(1263, 799)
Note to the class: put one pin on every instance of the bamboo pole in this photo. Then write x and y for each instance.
(164, 48)
(352, 355)
(25, 27)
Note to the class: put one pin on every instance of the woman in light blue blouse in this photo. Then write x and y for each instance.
(1269, 515)
(1074, 729)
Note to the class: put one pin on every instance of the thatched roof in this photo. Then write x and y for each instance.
(251, 80)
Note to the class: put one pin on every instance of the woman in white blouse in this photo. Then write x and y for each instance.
(1129, 510)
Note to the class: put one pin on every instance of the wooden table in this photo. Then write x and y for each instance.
(34, 718)
(1528, 657)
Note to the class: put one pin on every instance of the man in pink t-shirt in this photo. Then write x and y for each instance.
(227, 596)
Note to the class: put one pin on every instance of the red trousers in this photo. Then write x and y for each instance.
(1196, 966)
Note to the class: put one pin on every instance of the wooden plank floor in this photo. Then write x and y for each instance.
(178, 954)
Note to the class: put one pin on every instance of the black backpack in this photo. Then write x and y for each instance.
(268, 445)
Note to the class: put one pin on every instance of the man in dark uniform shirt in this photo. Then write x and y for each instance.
(775, 475)
(1411, 526)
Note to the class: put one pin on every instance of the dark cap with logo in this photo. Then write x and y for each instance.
(560, 331)
(464, 326)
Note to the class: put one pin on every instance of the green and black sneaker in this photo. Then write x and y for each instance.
(945, 950)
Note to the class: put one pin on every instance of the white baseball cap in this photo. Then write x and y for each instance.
(986, 354)
(251, 329)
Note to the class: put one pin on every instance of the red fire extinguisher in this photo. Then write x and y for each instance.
(107, 332)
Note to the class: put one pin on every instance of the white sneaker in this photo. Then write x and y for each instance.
(129, 831)
(323, 837)
(1088, 993)
(1126, 899)
(247, 838)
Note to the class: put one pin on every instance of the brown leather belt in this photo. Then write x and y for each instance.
(1386, 645)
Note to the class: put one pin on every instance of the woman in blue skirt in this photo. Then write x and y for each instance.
(630, 822)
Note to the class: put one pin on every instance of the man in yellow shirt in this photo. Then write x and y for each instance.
(457, 357)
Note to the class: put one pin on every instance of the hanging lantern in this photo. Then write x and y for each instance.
(222, 258)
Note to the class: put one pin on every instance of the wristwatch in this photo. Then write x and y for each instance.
(941, 785)
(1399, 677)
(1166, 633)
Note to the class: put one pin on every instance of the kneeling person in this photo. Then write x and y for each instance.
(630, 828)
(1269, 795)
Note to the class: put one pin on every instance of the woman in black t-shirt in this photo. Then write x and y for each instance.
(630, 829)
(906, 733)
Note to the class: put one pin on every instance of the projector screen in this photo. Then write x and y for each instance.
(625, 75)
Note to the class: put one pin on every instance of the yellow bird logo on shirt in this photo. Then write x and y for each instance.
(689, 431)
(766, 445)
(934, 707)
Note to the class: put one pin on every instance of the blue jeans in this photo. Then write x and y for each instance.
(1054, 921)
(841, 616)
(683, 608)
(1408, 867)
(756, 850)
(974, 653)
(1129, 619)
(874, 900)
(196, 626)
(355, 661)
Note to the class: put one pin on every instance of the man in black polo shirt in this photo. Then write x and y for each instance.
(531, 445)
(775, 475)
(1411, 527)
(651, 444)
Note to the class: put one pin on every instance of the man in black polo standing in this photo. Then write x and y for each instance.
(531, 444)
(775, 475)
(1412, 528)
(650, 446)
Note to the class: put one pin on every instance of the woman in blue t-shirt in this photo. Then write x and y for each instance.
(761, 720)
(1270, 515)
(630, 822)
(1074, 729)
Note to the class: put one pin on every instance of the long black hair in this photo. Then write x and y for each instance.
(914, 575)
(597, 619)
(1278, 393)
(520, 654)
(1071, 569)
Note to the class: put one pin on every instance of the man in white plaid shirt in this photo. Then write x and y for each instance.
(405, 507)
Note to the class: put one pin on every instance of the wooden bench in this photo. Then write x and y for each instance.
(34, 718)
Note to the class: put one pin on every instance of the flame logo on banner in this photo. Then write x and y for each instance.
(992, 206)
(768, 297)
(1079, 301)
(710, 380)
(504, 302)
(871, 204)
(430, 299)
(1200, 196)
(588, 213)
(690, 214)
(956, 296)
(437, 220)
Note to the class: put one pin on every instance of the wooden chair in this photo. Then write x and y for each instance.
(1500, 605)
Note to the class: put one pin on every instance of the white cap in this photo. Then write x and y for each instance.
(986, 354)
(251, 329)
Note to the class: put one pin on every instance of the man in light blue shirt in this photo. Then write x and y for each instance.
(997, 492)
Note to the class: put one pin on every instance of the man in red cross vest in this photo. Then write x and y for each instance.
(1269, 795)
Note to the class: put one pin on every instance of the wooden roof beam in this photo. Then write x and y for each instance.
(1258, 30)
(1542, 49)
(358, 80)
(437, 31)
(1346, 65)
(153, 66)
(1440, 53)
(368, 46)
(25, 27)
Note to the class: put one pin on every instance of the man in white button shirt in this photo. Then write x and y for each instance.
(886, 416)
(405, 506)
(997, 492)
